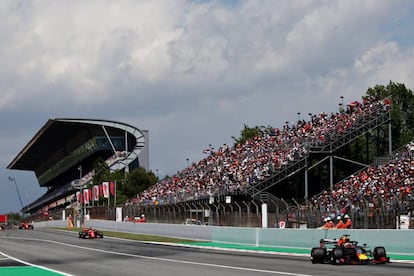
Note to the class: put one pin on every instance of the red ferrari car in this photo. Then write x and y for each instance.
(90, 233)
(26, 225)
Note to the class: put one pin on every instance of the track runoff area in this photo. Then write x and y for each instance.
(10, 266)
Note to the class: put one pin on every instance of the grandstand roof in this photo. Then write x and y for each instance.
(59, 136)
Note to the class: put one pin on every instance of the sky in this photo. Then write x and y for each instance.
(192, 73)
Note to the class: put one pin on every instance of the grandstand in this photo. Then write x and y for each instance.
(228, 186)
(62, 152)
(258, 166)
(299, 170)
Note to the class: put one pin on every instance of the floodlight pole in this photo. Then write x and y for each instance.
(17, 190)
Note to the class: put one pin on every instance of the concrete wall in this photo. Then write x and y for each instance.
(401, 241)
(396, 241)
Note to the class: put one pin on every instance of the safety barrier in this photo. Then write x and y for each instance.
(396, 241)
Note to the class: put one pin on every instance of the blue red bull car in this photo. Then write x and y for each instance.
(90, 233)
(346, 251)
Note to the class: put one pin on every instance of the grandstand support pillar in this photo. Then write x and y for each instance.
(306, 179)
(331, 168)
(81, 197)
(126, 143)
(389, 138)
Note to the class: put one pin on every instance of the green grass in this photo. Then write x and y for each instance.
(136, 237)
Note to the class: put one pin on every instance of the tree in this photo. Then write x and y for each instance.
(247, 133)
(137, 181)
(14, 217)
(402, 117)
(101, 170)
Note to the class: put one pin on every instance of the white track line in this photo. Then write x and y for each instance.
(34, 265)
(168, 260)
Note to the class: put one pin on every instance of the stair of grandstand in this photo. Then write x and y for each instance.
(364, 123)
(361, 126)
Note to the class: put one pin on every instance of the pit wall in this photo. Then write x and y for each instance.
(395, 241)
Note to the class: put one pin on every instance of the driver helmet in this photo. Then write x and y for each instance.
(346, 216)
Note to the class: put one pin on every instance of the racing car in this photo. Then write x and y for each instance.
(25, 225)
(90, 233)
(346, 251)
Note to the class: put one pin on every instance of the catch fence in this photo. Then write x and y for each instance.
(248, 213)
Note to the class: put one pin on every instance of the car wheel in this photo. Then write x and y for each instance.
(379, 253)
(317, 255)
(336, 254)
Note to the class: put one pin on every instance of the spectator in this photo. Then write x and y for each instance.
(348, 222)
(328, 224)
(340, 223)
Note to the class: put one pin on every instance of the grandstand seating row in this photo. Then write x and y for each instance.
(236, 169)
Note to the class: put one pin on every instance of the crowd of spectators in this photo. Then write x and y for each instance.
(235, 169)
(388, 187)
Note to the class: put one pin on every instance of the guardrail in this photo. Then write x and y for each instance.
(395, 241)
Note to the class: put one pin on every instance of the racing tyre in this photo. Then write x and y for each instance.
(317, 255)
(336, 254)
(379, 253)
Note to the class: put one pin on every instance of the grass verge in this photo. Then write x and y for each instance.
(136, 237)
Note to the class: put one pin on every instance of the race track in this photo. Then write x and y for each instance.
(64, 252)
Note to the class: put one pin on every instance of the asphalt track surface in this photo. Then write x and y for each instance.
(53, 252)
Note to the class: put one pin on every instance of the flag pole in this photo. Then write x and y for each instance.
(109, 194)
(115, 194)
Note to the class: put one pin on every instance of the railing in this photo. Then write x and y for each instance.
(380, 215)
(362, 125)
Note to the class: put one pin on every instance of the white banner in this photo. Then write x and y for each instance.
(118, 214)
(105, 189)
